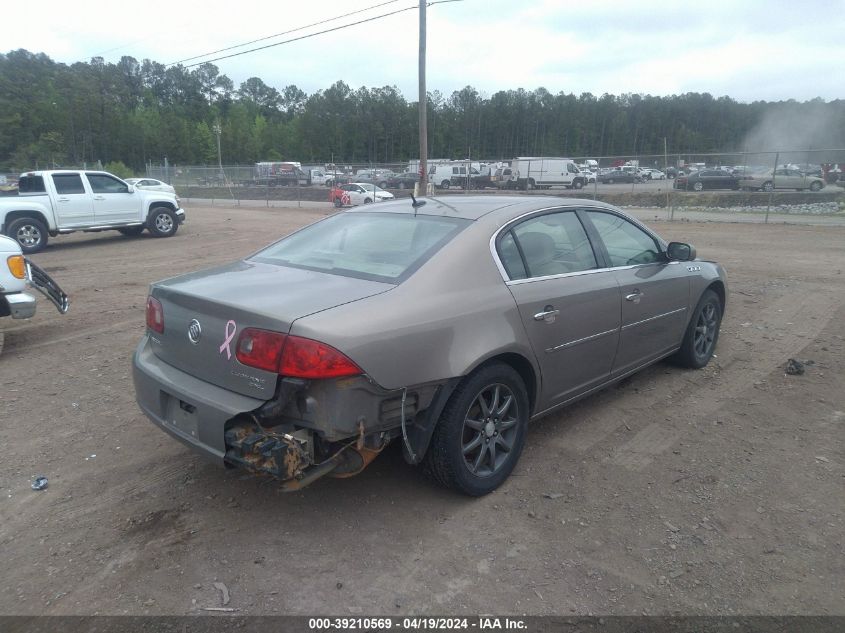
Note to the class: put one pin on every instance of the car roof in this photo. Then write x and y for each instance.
(475, 207)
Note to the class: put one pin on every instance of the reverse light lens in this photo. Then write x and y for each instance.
(17, 266)
(261, 349)
(306, 358)
(155, 315)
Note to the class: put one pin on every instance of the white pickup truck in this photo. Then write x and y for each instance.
(17, 275)
(51, 203)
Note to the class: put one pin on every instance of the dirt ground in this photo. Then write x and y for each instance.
(717, 491)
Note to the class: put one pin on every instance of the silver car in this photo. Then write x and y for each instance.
(442, 324)
(781, 178)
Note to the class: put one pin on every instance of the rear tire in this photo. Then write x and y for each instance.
(481, 432)
(30, 234)
(702, 333)
(445, 184)
(767, 186)
(699, 186)
(162, 222)
(367, 201)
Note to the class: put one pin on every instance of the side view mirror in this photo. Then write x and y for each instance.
(131, 188)
(680, 252)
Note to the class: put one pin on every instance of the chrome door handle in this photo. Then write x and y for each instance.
(634, 296)
(63, 199)
(549, 314)
(99, 198)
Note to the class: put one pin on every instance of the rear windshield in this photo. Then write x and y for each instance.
(31, 184)
(377, 246)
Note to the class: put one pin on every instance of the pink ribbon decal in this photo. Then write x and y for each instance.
(229, 337)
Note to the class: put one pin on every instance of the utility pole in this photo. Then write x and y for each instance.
(217, 130)
(423, 107)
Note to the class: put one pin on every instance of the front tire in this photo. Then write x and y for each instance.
(815, 186)
(702, 332)
(30, 234)
(162, 222)
(481, 432)
(578, 183)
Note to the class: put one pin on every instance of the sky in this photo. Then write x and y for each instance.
(746, 49)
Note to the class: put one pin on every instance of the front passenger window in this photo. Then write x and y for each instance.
(626, 243)
(101, 183)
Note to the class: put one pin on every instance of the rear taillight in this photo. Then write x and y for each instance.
(305, 358)
(155, 315)
(292, 356)
(261, 349)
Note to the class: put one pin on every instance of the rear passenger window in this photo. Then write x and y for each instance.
(68, 183)
(550, 244)
(511, 259)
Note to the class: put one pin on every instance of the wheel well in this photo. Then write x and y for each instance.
(719, 288)
(521, 365)
(14, 215)
(156, 205)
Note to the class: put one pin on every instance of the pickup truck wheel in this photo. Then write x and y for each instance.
(481, 431)
(29, 233)
(162, 222)
(131, 231)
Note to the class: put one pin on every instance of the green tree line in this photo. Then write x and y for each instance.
(54, 114)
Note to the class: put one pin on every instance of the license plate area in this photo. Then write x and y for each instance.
(181, 416)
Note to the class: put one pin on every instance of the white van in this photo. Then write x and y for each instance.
(541, 172)
(445, 175)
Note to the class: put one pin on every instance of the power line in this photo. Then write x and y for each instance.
(269, 37)
(303, 37)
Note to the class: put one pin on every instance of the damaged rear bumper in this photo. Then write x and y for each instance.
(306, 431)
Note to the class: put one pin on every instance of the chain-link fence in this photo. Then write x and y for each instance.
(788, 185)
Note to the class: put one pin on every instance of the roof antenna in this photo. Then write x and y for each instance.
(416, 204)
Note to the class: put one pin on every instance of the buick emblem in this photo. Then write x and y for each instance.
(194, 332)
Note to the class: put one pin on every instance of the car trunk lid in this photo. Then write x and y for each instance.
(220, 303)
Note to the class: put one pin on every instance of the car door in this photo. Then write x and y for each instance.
(568, 302)
(789, 179)
(74, 206)
(654, 293)
(113, 204)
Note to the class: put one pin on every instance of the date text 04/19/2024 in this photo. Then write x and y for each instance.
(418, 623)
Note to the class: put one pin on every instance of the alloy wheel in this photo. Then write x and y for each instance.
(705, 330)
(489, 430)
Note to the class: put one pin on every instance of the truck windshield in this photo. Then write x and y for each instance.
(384, 247)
